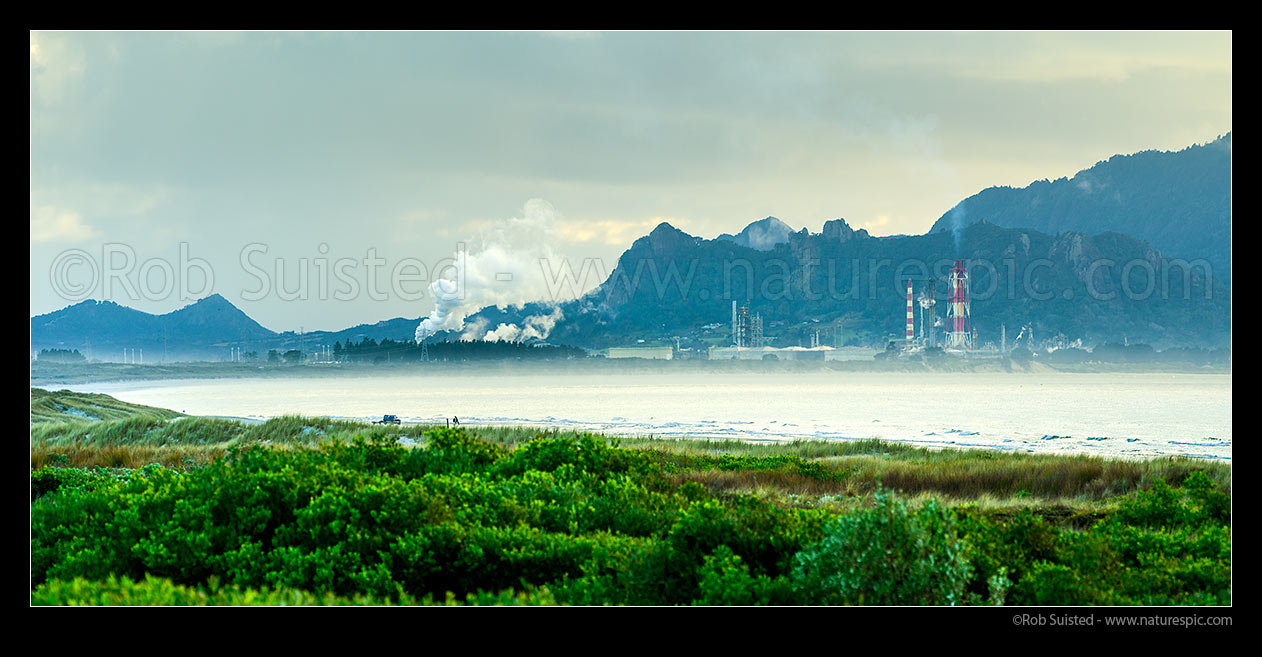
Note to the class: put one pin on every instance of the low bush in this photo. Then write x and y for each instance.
(886, 555)
(574, 519)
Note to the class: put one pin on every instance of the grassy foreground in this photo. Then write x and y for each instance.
(64, 406)
(141, 510)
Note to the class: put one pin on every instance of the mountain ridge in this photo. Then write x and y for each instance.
(670, 283)
(206, 329)
(1179, 201)
(1056, 233)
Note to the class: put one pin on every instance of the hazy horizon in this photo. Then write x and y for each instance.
(206, 146)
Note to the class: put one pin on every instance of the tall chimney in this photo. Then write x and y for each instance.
(910, 321)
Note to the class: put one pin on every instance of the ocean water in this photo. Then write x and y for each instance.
(1126, 415)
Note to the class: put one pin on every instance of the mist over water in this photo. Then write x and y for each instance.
(1116, 415)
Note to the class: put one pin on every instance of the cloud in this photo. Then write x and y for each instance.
(57, 65)
(50, 224)
(1045, 57)
(213, 38)
(873, 225)
(572, 35)
(609, 231)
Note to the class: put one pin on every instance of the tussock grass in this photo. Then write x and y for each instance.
(64, 406)
(132, 431)
(813, 469)
(858, 468)
(807, 472)
(297, 429)
(139, 440)
(807, 449)
(125, 456)
(153, 431)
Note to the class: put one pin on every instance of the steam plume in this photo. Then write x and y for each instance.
(957, 224)
(502, 268)
(535, 326)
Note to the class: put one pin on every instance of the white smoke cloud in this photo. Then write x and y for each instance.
(535, 326)
(475, 330)
(505, 267)
(957, 224)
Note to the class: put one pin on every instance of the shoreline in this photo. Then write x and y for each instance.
(1015, 446)
(1124, 415)
(50, 375)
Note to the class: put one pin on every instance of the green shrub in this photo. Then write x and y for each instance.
(576, 520)
(156, 591)
(725, 580)
(1163, 546)
(1002, 552)
(887, 555)
(51, 479)
(586, 454)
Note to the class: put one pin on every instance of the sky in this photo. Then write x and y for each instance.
(169, 165)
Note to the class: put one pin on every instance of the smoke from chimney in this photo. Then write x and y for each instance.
(535, 326)
(957, 224)
(504, 267)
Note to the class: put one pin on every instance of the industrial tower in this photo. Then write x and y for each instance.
(927, 303)
(911, 317)
(746, 328)
(960, 335)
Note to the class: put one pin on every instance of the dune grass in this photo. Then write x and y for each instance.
(806, 469)
(143, 439)
(144, 430)
(64, 406)
(806, 473)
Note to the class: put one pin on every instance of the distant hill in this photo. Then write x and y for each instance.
(398, 329)
(1180, 202)
(205, 330)
(1132, 216)
(762, 235)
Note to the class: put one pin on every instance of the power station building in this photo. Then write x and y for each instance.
(652, 353)
(791, 353)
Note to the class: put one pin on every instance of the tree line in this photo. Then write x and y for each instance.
(388, 350)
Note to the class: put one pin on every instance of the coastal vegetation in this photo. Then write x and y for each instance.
(140, 510)
(77, 408)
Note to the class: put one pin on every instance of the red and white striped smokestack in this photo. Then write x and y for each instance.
(910, 322)
(958, 310)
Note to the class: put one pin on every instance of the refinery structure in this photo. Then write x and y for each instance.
(748, 343)
(958, 332)
(959, 337)
(926, 331)
(746, 328)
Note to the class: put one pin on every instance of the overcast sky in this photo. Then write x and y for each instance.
(327, 146)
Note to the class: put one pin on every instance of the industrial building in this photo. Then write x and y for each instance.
(746, 328)
(653, 353)
(960, 336)
(791, 353)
